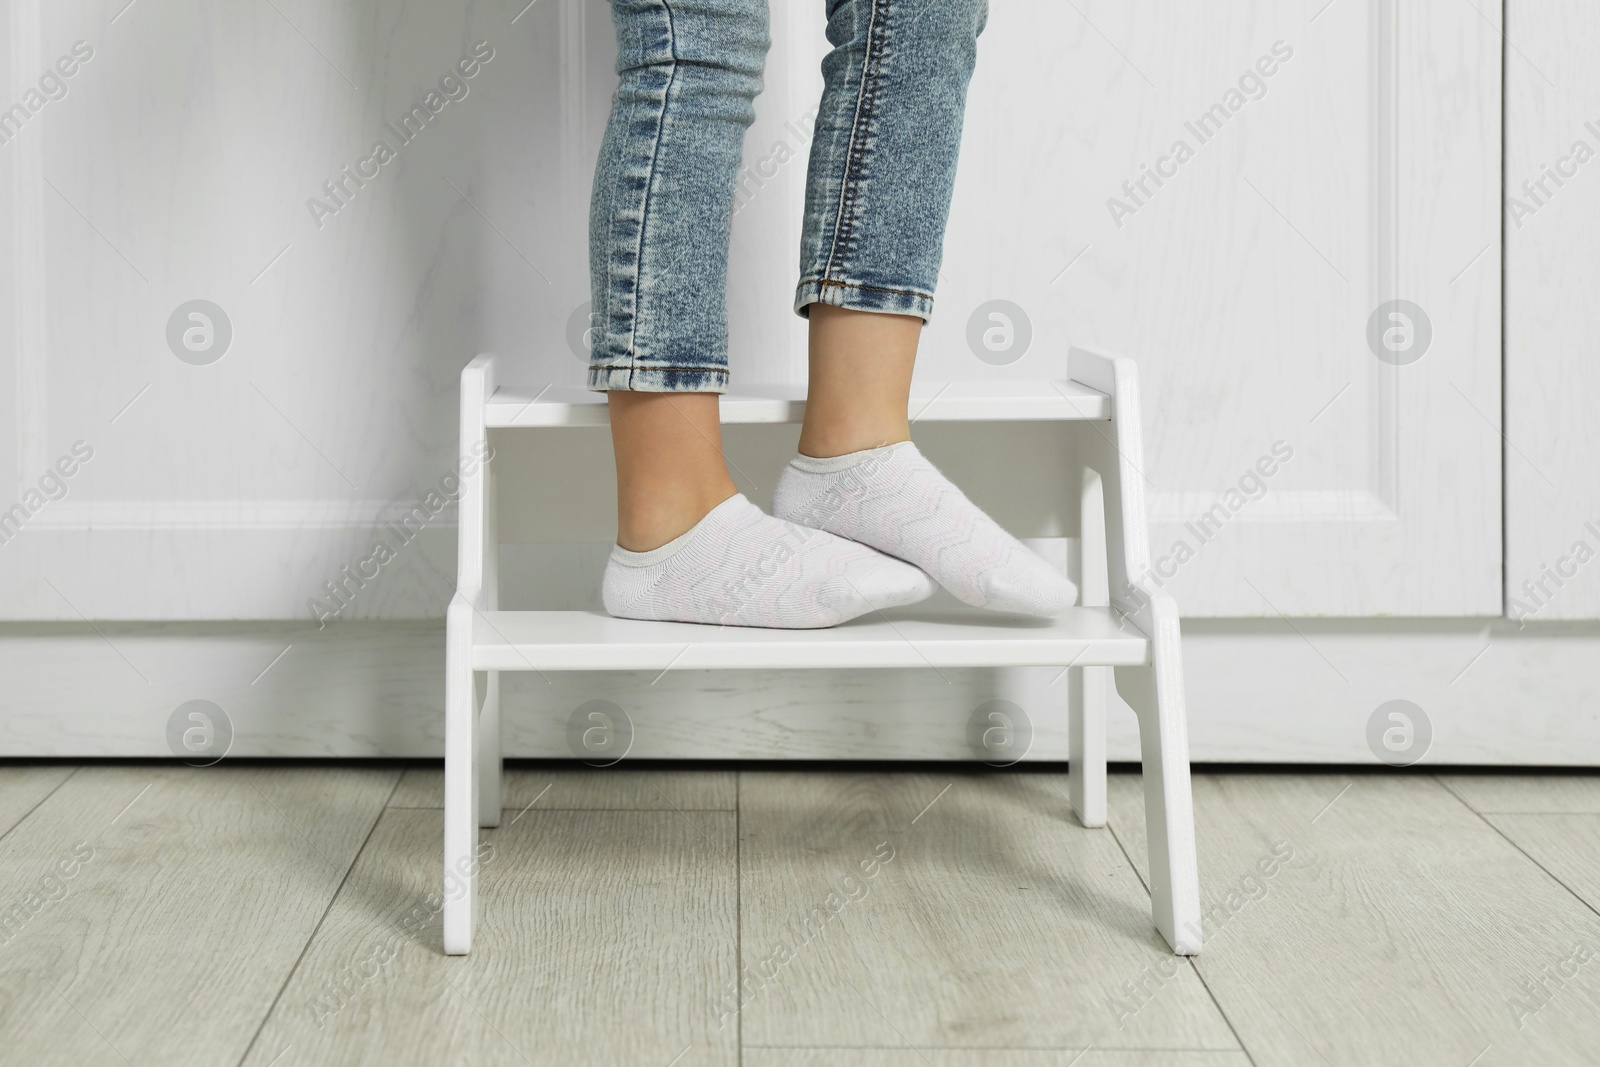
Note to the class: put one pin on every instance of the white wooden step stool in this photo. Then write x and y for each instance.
(1122, 627)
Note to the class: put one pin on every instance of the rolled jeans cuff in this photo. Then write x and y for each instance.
(647, 379)
(862, 298)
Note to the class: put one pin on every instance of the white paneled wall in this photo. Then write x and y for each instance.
(1552, 315)
(215, 153)
(1336, 157)
(1258, 692)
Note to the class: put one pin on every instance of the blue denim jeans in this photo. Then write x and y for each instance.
(882, 166)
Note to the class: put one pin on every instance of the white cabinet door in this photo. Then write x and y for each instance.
(1333, 157)
(1235, 195)
(1229, 193)
(244, 351)
(1552, 314)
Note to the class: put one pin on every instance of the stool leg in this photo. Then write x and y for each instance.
(1086, 742)
(1168, 805)
(1153, 690)
(1089, 688)
(490, 763)
(462, 703)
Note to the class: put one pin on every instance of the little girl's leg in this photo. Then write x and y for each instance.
(882, 170)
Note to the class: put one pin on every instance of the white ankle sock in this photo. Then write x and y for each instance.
(893, 499)
(739, 566)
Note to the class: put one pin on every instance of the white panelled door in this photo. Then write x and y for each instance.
(1552, 316)
(1230, 193)
(1235, 195)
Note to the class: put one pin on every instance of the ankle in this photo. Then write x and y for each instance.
(652, 519)
(841, 441)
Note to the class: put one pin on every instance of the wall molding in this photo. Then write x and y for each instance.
(1259, 692)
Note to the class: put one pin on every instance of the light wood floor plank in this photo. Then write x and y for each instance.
(841, 1057)
(185, 897)
(1565, 996)
(24, 785)
(998, 921)
(604, 938)
(1568, 846)
(584, 788)
(158, 914)
(1551, 792)
(1374, 919)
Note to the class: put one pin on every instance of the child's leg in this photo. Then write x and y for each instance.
(688, 75)
(881, 173)
(689, 546)
(860, 380)
(882, 168)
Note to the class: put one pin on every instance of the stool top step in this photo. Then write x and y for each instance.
(592, 640)
(967, 401)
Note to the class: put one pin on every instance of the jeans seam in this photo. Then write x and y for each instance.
(702, 368)
(855, 158)
(650, 181)
(872, 288)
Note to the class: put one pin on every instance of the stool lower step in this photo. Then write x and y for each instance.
(588, 640)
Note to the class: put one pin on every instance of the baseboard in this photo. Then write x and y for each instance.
(1259, 691)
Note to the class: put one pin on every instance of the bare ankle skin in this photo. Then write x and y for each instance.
(860, 380)
(670, 468)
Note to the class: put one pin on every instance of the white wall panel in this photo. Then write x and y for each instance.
(1552, 311)
(1259, 691)
(180, 162)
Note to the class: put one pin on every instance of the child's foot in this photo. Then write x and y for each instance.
(894, 500)
(739, 566)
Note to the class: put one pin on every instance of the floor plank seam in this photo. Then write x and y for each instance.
(503, 810)
(738, 913)
(1484, 818)
(312, 936)
(1193, 961)
(994, 1048)
(24, 816)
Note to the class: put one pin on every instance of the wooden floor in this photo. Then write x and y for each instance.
(285, 914)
